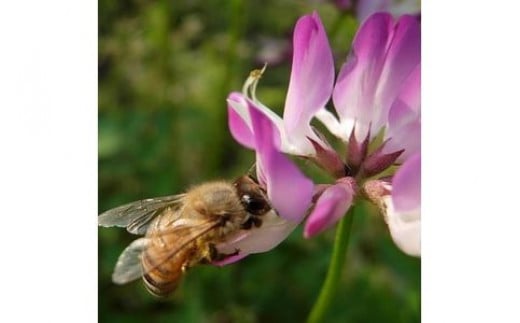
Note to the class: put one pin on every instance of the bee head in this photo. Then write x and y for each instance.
(255, 205)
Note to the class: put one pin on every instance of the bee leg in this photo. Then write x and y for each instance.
(248, 223)
(215, 255)
(252, 220)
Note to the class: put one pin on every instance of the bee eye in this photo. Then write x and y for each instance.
(255, 206)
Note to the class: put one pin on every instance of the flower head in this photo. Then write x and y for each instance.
(377, 90)
(377, 101)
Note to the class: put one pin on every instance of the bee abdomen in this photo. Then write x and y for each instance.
(160, 289)
(161, 279)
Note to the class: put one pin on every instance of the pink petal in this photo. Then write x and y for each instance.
(404, 54)
(240, 130)
(383, 57)
(408, 100)
(410, 91)
(230, 260)
(239, 122)
(409, 138)
(403, 207)
(330, 207)
(406, 185)
(289, 191)
(404, 118)
(355, 88)
(312, 77)
(404, 132)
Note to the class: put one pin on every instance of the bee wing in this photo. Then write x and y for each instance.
(183, 232)
(128, 266)
(136, 216)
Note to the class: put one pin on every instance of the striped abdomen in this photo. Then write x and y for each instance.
(164, 267)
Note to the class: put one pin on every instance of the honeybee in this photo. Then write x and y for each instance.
(182, 231)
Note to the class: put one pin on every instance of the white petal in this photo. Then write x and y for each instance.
(330, 121)
(405, 228)
(273, 231)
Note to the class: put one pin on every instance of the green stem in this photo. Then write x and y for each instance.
(339, 253)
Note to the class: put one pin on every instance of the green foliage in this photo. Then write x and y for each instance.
(165, 69)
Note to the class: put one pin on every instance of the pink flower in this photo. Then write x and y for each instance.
(377, 89)
(331, 206)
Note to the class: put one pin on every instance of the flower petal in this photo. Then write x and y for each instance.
(312, 78)
(405, 228)
(289, 191)
(402, 58)
(230, 259)
(273, 231)
(239, 122)
(404, 119)
(357, 82)
(403, 207)
(403, 132)
(383, 56)
(410, 92)
(330, 207)
(406, 185)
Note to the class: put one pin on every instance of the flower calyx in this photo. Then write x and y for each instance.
(378, 161)
(328, 159)
(361, 164)
(356, 151)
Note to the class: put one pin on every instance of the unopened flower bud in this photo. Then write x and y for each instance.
(376, 190)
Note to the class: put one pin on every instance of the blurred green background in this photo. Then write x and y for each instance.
(165, 69)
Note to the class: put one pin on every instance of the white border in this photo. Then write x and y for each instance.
(471, 163)
(48, 171)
